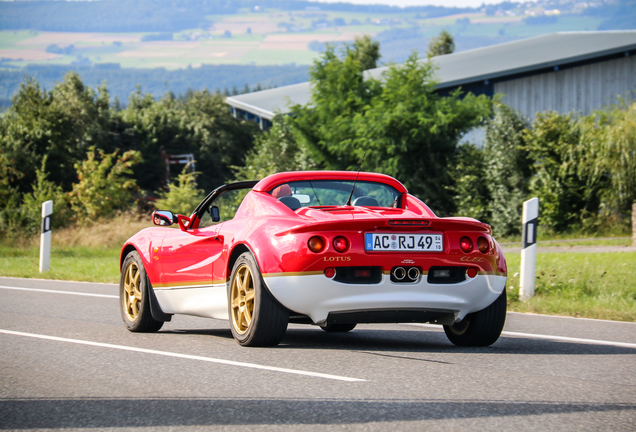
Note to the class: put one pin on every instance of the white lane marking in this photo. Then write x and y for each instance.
(570, 339)
(548, 337)
(60, 292)
(184, 356)
(569, 317)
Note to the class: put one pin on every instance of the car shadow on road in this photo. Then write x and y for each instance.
(417, 340)
(63, 413)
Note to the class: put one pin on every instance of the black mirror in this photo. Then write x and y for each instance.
(163, 218)
(214, 212)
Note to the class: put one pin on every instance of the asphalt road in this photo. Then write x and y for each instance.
(67, 362)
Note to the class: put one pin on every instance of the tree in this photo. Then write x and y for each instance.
(275, 151)
(405, 128)
(610, 139)
(470, 187)
(45, 190)
(507, 170)
(441, 44)
(182, 197)
(201, 124)
(104, 184)
(62, 124)
(560, 161)
(367, 51)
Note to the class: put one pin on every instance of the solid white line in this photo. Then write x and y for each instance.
(570, 339)
(184, 356)
(570, 317)
(549, 337)
(60, 292)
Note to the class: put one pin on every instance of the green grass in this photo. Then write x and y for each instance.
(591, 285)
(77, 263)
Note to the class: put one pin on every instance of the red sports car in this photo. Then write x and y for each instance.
(326, 248)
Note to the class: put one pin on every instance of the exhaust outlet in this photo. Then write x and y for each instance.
(413, 273)
(399, 273)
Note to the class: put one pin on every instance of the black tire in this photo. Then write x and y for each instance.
(481, 328)
(338, 328)
(256, 318)
(134, 303)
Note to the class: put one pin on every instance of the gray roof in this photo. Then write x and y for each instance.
(498, 61)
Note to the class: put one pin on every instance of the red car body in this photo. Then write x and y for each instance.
(189, 270)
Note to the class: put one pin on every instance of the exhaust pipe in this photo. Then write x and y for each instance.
(413, 273)
(399, 273)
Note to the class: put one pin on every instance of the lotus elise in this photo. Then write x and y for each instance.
(327, 248)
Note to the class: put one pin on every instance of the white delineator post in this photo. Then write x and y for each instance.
(529, 252)
(45, 237)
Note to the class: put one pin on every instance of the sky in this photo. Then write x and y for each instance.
(403, 3)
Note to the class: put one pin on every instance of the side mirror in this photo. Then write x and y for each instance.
(163, 218)
(214, 212)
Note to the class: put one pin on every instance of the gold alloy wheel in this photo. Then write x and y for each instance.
(132, 291)
(242, 299)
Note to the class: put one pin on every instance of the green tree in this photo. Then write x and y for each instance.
(610, 140)
(507, 171)
(470, 187)
(275, 151)
(104, 184)
(405, 128)
(61, 124)
(183, 196)
(367, 51)
(201, 124)
(441, 44)
(560, 162)
(45, 190)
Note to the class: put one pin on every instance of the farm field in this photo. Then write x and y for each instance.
(267, 38)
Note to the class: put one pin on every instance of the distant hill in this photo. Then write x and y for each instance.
(160, 15)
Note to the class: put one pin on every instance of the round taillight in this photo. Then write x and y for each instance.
(471, 272)
(465, 244)
(341, 244)
(316, 244)
(483, 245)
(330, 272)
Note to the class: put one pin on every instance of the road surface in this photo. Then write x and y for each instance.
(67, 362)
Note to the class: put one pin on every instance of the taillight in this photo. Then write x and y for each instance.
(316, 244)
(341, 244)
(483, 245)
(465, 244)
(471, 272)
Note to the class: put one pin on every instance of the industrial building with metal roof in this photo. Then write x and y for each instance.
(564, 72)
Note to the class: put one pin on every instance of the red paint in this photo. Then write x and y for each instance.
(278, 237)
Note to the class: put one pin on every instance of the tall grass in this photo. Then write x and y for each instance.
(593, 285)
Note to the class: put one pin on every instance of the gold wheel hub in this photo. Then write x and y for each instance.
(132, 291)
(242, 299)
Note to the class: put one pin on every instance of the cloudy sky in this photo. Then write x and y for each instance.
(449, 3)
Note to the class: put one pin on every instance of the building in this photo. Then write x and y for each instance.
(564, 72)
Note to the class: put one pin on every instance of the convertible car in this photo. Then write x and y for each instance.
(325, 248)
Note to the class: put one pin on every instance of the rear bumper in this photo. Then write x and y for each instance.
(317, 296)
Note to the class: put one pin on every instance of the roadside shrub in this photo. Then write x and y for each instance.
(507, 169)
(104, 185)
(182, 197)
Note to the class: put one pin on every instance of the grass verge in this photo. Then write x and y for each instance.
(599, 285)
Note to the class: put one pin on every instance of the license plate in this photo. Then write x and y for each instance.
(395, 242)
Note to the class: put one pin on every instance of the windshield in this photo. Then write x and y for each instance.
(311, 193)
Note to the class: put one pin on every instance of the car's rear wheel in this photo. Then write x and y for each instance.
(133, 296)
(338, 328)
(481, 328)
(256, 318)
